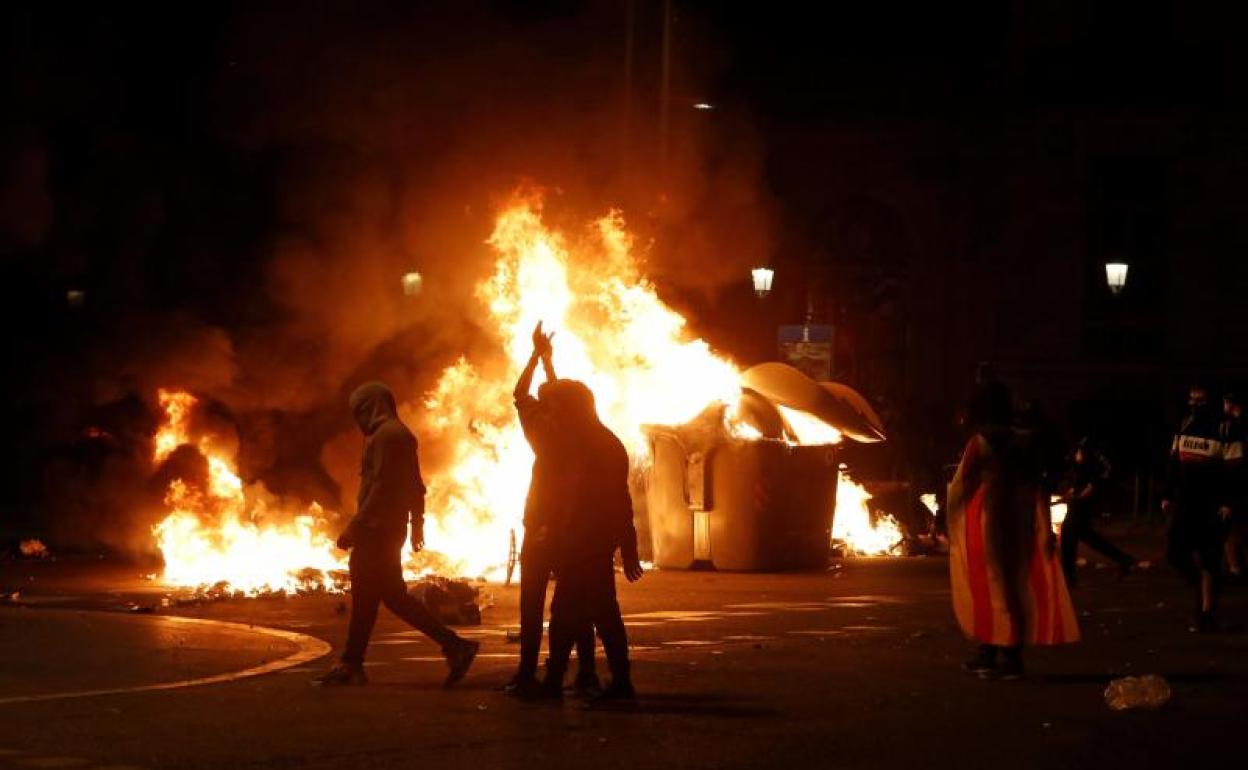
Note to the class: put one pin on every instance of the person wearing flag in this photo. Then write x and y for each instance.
(1007, 581)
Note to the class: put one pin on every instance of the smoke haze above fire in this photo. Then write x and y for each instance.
(256, 262)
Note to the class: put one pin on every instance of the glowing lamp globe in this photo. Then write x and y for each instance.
(762, 280)
(1116, 276)
(412, 283)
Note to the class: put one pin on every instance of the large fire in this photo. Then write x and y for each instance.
(221, 532)
(611, 331)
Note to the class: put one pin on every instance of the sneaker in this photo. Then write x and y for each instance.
(1011, 669)
(587, 685)
(1203, 623)
(459, 659)
(341, 674)
(524, 688)
(540, 692)
(619, 694)
(982, 663)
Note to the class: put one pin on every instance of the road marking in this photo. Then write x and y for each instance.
(694, 616)
(309, 648)
(785, 606)
(52, 762)
(441, 659)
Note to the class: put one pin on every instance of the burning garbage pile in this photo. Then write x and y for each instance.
(222, 538)
(33, 548)
(758, 485)
(614, 334)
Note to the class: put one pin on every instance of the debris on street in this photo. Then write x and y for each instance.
(34, 549)
(1148, 692)
(453, 601)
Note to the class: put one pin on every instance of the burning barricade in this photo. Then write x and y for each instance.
(744, 475)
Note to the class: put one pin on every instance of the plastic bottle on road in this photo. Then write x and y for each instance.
(1148, 692)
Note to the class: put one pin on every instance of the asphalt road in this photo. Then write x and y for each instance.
(854, 667)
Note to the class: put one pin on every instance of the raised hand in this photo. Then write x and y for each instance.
(541, 341)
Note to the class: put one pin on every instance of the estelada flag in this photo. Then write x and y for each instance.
(1008, 587)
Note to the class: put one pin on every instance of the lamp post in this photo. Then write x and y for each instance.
(1116, 276)
(762, 280)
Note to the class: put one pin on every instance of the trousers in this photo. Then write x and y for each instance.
(1078, 527)
(585, 601)
(377, 579)
(536, 568)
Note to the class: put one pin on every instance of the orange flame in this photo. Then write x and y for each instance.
(224, 533)
(611, 331)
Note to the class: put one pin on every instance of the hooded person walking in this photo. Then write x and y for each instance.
(1008, 587)
(392, 494)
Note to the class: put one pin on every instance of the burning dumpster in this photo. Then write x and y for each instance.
(751, 487)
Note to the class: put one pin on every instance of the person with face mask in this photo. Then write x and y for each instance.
(392, 495)
(1197, 500)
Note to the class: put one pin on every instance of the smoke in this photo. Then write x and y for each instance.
(342, 148)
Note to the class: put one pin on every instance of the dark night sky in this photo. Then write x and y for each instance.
(182, 162)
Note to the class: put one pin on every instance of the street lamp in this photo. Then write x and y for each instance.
(1116, 276)
(762, 280)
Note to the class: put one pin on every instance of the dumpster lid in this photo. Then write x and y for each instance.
(838, 405)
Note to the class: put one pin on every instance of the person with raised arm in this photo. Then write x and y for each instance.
(540, 420)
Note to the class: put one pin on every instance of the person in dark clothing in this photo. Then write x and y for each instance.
(539, 420)
(1089, 472)
(1197, 499)
(391, 494)
(1050, 446)
(596, 521)
(1235, 434)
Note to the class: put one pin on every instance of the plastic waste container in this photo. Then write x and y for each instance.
(739, 504)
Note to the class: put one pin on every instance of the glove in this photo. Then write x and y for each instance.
(632, 565)
(418, 535)
(346, 541)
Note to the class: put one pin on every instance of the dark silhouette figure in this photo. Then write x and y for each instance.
(1084, 497)
(1235, 432)
(547, 492)
(598, 519)
(1198, 498)
(391, 490)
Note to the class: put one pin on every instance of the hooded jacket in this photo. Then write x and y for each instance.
(391, 488)
(598, 515)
